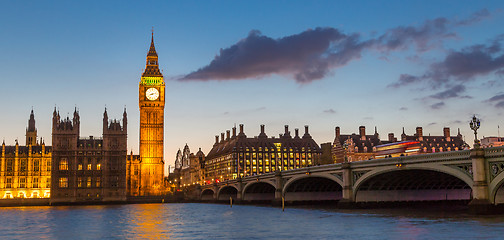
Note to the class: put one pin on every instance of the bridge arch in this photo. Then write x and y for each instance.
(496, 189)
(413, 183)
(259, 191)
(226, 192)
(207, 194)
(313, 187)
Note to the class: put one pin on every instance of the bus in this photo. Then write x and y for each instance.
(405, 148)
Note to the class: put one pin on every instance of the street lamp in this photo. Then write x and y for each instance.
(475, 124)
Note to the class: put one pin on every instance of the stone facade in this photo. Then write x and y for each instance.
(189, 168)
(239, 156)
(25, 171)
(358, 147)
(151, 93)
(88, 169)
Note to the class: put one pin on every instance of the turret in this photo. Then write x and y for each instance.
(125, 121)
(419, 133)
(31, 131)
(105, 121)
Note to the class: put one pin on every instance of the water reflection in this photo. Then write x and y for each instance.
(208, 221)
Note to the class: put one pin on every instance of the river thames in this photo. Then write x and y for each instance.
(214, 221)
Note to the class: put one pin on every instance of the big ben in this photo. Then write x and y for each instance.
(151, 102)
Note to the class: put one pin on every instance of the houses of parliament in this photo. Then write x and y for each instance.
(91, 169)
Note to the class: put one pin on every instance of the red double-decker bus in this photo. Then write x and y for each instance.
(405, 148)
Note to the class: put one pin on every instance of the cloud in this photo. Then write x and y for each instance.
(498, 100)
(330, 111)
(403, 109)
(431, 124)
(437, 105)
(475, 17)
(453, 92)
(306, 56)
(312, 54)
(461, 66)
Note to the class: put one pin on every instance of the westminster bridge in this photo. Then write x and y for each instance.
(475, 175)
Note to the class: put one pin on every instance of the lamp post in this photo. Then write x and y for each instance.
(475, 125)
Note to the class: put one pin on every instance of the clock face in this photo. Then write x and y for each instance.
(152, 94)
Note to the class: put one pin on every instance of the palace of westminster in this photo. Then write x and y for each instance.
(85, 170)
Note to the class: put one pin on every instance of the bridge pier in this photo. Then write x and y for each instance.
(239, 194)
(480, 204)
(347, 201)
(278, 189)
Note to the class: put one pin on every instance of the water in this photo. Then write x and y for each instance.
(209, 221)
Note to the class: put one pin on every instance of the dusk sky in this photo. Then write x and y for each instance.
(389, 64)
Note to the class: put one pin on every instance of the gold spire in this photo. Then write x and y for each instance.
(152, 66)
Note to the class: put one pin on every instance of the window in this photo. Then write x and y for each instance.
(22, 182)
(23, 167)
(48, 165)
(10, 165)
(63, 182)
(63, 165)
(79, 182)
(89, 166)
(88, 184)
(79, 166)
(98, 166)
(98, 181)
(35, 182)
(36, 165)
(8, 183)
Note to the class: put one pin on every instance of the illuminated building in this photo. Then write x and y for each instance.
(88, 169)
(238, 155)
(151, 93)
(189, 167)
(355, 147)
(26, 170)
(133, 174)
(358, 147)
(492, 142)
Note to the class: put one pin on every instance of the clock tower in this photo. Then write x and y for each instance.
(151, 99)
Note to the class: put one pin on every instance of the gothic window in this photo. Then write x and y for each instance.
(22, 183)
(8, 182)
(35, 182)
(23, 166)
(63, 165)
(36, 165)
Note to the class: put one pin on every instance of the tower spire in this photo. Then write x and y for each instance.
(152, 66)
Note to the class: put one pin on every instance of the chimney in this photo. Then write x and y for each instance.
(216, 139)
(286, 129)
(296, 130)
(446, 132)
(307, 134)
(362, 132)
(241, 128)
(228, 133)
(337, 132)
(391, 137)
(262, 128)
(419, 133)
(222, 137)
(234, 131)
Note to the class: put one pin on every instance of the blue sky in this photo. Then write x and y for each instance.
(91, 55)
